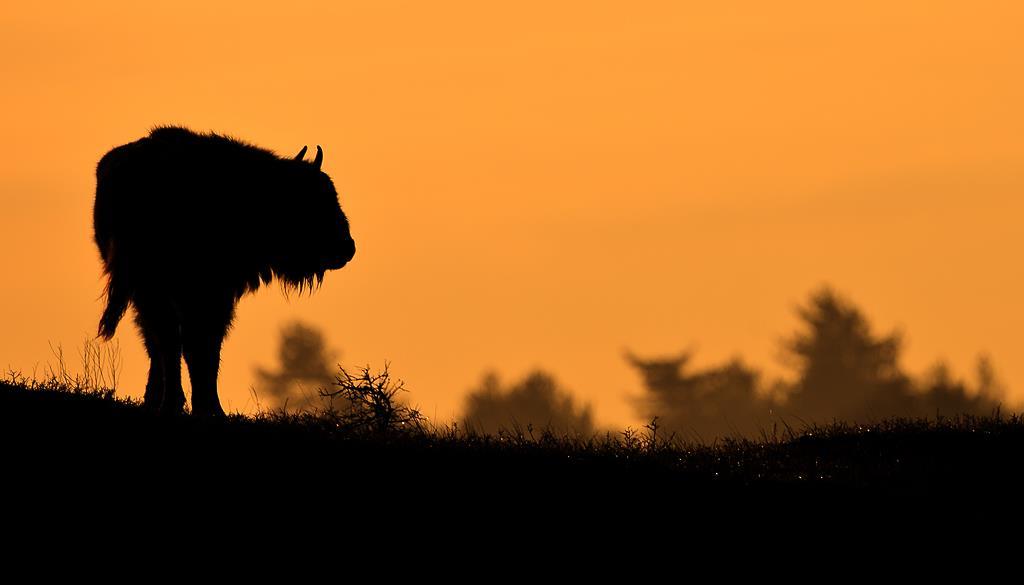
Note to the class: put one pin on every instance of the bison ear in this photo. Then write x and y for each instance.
(319, 160)
(301, 154)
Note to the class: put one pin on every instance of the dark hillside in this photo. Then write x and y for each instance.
(61, 441)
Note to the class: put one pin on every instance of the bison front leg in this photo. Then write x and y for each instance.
(203, 334)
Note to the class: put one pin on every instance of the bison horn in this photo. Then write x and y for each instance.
(319, 160)
(301, 154)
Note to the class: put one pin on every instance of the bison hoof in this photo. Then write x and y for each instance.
(172, 405)
(171, 410)
(214, 411)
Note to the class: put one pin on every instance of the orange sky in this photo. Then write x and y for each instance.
(548, 184)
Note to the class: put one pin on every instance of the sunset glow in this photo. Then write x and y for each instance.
(550, 184)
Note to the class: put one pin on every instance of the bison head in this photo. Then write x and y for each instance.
(313, 231)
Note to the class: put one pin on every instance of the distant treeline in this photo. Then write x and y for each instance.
(843, 372)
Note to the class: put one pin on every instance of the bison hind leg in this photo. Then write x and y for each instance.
(155, 383)
(161, 333)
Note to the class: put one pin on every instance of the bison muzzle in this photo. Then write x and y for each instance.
(186, 224)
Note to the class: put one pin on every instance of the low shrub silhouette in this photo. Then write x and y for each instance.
(370, 402)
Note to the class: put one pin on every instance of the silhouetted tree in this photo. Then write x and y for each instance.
(848, 373)
(305, 367)
(989, 384)
(845, 371)
(943, 394)
(535, 401)
(721, 400)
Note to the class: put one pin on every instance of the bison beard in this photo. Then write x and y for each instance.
(186, 224)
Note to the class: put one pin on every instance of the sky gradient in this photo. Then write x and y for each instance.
(538, 185)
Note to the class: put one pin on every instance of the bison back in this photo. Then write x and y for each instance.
(183, 201)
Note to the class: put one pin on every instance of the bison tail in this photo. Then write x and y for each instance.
(118, 298)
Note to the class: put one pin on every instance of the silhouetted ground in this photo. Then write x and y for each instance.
(92, 445)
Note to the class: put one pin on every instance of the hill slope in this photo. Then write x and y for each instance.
(57, 439)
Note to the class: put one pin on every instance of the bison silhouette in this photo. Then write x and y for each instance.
(186, 224)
